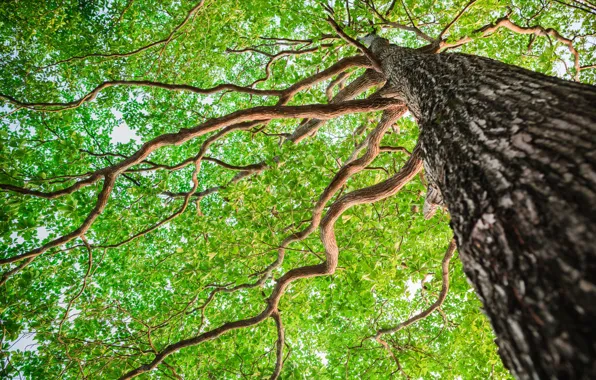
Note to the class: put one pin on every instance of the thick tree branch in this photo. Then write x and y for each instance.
(258, 113)
(369, 79)
(102, 200)
(367, 195)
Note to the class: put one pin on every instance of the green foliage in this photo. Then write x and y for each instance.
(161, 278)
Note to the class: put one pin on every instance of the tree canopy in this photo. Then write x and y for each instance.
(166, 165)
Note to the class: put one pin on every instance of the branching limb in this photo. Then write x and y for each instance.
(8, 274)
(85, 280)
(369, 79)
(342, 176)
(164, 41)
(373, 193)
(374, 61)
(99, 207)
(457, 17)
(370, 194)
(275, 57)
(53, 194)
(90, 96)
(419, 33)
(504, 22)
(258, 113)
(393, 356)
(436, 305)
(285, 94)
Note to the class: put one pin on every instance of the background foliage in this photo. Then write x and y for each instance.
(159, 280)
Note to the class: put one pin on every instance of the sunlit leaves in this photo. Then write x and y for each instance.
(160, 281)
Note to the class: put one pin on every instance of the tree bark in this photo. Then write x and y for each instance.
(513, 153)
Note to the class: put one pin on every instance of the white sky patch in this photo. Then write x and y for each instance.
(42, 233)
(411, 288)
(575, 26)
(5, 108)
(559, 68)
(14, 125)
(322, 356)
(17, 237)
(25, 342)
(208, 100)
(124, 134)
(117, 114)
(169, 287)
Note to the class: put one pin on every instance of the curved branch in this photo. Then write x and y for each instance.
(504, 22)
(381, 191)
(374, 61)
(100, 204)
(369, 79)
(52, 194)
(286, 94)
(437, 304)
(85, 279)
(142, 83)
(252, 115)
(370, 194)
(139, 50)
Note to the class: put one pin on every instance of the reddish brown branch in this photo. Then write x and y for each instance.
(53, 194)
(84, 285)
(373, 60)
(142, 83)
(370, 194)
(369, 79)
(504, 22)
(285, 94)
(258, 113)
(100, 204)
(436, 305)
(380, 191)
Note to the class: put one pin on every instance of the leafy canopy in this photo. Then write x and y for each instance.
(166, 258)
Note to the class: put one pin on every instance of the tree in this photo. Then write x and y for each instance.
(516, 170)
(193, 251)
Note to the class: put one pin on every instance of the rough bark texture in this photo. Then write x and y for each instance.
(514, 155)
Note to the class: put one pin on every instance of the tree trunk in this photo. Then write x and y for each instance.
(513, 153)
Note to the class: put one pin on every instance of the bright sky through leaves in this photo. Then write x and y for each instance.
(142, 276)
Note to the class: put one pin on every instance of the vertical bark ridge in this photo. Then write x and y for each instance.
(514, 155)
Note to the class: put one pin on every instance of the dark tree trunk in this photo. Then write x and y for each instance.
(514, 155)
